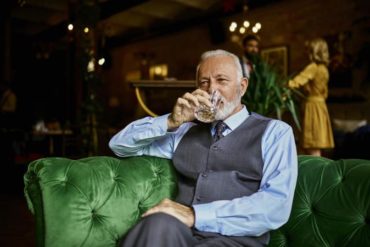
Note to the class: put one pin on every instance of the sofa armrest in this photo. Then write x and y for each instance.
(96, 200)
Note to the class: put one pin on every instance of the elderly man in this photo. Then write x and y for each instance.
(237, 174)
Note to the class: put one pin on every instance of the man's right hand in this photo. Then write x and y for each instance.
(183, 111)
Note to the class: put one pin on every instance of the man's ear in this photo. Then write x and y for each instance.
(243, 85)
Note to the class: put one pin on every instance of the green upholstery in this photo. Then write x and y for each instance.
(94, 201)
(331, 205)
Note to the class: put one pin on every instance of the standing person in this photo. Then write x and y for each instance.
(251, 44)
(316, 127)
(236, 175)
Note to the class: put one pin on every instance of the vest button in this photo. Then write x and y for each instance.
(198, 198)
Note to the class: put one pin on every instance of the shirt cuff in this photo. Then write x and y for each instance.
(205, 217)
(161, 123)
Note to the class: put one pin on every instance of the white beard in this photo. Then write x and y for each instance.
(228, 107)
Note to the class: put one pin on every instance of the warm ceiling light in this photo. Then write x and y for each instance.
(70, 27)
(101, 61)
(245, 27)
(246, 24)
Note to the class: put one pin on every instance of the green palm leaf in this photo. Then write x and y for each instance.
(268, 95)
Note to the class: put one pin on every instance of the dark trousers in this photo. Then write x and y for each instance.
(163, 230)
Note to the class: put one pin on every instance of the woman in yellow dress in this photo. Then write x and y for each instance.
(317, 133)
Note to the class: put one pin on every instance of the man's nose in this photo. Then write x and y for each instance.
(212, 87)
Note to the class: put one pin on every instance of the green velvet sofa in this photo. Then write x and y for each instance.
(94, 201)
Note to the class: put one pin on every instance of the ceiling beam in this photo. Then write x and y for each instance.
(201, 5)
(112, 7)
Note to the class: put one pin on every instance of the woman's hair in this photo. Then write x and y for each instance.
(318, 51)
(214, 53)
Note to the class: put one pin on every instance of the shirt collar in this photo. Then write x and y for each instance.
(236, 119)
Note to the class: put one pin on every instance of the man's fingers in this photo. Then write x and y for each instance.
(203, 97)
(150, 211)
(179, 211)
(158, 208)
(204, 100)
(191, 98)
(201, 93)
(183, 102)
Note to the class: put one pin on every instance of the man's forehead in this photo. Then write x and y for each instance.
(217, 68)
(216, 61)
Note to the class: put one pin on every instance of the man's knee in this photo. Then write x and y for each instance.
(162, 222)
(161, 229)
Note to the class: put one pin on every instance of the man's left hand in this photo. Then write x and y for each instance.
(183, 213)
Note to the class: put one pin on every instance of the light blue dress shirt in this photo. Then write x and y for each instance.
(253, 215)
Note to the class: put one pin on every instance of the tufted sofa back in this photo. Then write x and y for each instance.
(94, 201)
(331, 205)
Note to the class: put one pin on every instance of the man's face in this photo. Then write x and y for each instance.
(219, 73)
(251, 47)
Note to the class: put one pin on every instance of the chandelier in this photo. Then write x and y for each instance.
(245, 26)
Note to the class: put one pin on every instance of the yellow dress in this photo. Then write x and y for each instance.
(317, 132)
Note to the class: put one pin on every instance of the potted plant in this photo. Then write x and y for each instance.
(267, 93)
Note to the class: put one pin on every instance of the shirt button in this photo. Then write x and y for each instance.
(204, 175)
(215, 147)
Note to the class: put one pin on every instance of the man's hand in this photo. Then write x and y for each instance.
(183, 213)
(183, 111)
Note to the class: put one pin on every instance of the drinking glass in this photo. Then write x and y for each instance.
(205, 113)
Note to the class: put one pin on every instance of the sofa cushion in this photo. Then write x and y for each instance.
(94, 201)
(331, 205)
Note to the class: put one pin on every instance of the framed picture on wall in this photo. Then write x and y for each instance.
(277, 57)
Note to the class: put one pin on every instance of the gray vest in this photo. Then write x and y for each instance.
(223, 170)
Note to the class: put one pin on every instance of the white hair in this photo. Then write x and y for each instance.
(215, 53)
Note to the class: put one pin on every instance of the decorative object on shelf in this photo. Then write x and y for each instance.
(158, 71)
